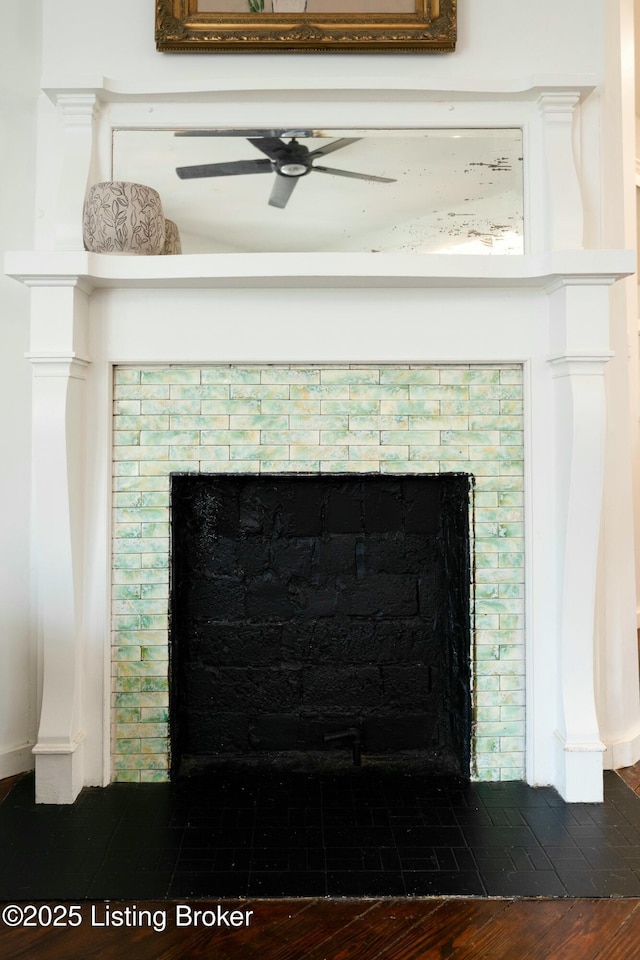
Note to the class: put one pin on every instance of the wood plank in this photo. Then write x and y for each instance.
(519, 928)
(448, 929)
(369, 935)
(583, 932)
(625, 942)
(406, 929)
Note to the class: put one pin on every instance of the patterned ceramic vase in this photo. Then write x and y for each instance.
(123, 217)
(172, 244)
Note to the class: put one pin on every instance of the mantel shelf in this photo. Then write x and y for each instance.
(90, 270)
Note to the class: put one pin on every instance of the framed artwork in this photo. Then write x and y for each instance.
(373, 26)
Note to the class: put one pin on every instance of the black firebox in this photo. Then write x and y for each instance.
(320, 618)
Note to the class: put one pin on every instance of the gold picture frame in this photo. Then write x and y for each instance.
(334, 26)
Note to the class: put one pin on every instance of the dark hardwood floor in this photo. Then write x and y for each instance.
(407, 929)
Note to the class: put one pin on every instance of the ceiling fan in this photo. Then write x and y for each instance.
(289, 161)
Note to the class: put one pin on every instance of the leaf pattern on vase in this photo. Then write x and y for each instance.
(172, 242)
(123, 217)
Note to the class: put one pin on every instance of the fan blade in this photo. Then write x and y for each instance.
(232, 169)
(336, 145)
(246, 133)
(355, 176)
(272, 146)
(282, 190)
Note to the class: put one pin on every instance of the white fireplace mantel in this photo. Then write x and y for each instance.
(95, 271)
(71, 355)
(548, 310)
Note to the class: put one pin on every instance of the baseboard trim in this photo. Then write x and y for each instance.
(16, 760)
(622, 753)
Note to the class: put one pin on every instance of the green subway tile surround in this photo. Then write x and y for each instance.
(324, 419)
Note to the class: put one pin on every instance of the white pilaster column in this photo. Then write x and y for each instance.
(579, 336)
(564, 199)
(78, 113)
(59, 358)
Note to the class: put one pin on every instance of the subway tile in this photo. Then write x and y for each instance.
(178, 374)
(307, 437)
(290, 375)
(353, 408)
(232, 466)
(138, 762)
(412, 437)
(410, 376)
(141, 484)
(196, 422)
(262, 391)
(415, 407)
(399, 423)
(438, 392)
(154, 776)
(139, 423)
(317, 422)
(201, 392)
(155, 745)
(126, 684)
(289, 407)
(204, 452)
(512, 407)
(350, 466)
(412, 466)
(162, 438)
(353, 437)
(347, 375)
(419, 452)
(230, 375)
(126, 469)
(290, 466)
(484, 375)
(383, 454)
(495, 392)
(141, 453)
(138, 668)
(231, 407)
(171, 407)
(429, 423)
(141, 515)
(123, 374)
(320, 391)
(321, 451)
(148, 392)
(126, 408)
(126, 776)
(259, 422)
(226, 437)
(473, 438)
(379, 392)
(259, 452)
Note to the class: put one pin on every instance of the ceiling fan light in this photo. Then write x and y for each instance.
(292, 169)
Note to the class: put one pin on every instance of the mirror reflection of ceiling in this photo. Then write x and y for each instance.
(455, 192)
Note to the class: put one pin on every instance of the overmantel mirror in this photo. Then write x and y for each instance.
(334, 26)
(446, 191)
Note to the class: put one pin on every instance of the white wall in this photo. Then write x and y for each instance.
(19, 84)
(501, 40)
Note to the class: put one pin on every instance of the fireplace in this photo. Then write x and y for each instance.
(346, 359)
(389, 445)
(317, 617)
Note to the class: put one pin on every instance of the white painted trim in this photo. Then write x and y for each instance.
(16, 760)
(307, 270)
(623, 753)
